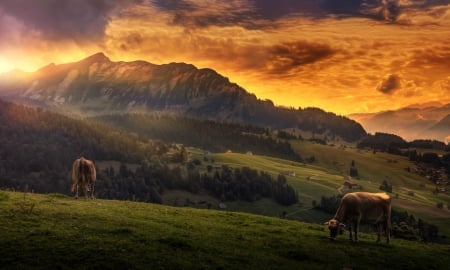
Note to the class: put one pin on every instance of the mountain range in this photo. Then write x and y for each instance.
(98, 86)
(427, 121)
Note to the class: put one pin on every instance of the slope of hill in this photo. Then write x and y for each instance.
(206, 134)
(325, 177)
(56, 232)
(96, 85)
(38, 148)
(414, 122)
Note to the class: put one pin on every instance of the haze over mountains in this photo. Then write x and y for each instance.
(97, 86)
(428, 121)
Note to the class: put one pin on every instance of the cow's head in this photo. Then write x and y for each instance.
(335, 227)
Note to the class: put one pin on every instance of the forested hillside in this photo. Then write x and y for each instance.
(38, 148)
(432, 157)
(211, 135)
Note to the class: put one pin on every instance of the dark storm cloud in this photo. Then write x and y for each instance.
(57, 19)
(316, 9)
(277, 9)
(87, 19)
(259, 13)
(246, 13)
(241, 18)
(284, 59)
(385, 10)
(389, 84)
(193, 14)
(388, 10)
(278, 60)
(288, 58)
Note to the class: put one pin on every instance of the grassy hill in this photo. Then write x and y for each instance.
(57, 232)
(374, 168)
(325, 177)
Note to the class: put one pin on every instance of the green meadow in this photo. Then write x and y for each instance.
(58, 232)
(325, 177)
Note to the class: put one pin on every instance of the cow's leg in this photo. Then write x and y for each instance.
(92, 190)
(356, 228)
(379, 229)
(86, 190)
(350, 227)
(76, 192)
(387, 230)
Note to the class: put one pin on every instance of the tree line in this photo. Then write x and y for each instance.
(149, 182)
(206, 134)
(394, 144)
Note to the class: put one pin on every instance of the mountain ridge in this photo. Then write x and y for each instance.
(418, 121)
(98, 86)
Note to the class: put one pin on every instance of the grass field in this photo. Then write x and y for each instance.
(374, 168)
(325, 177)
(57, 232)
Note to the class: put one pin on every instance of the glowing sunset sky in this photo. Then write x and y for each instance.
(343, 56)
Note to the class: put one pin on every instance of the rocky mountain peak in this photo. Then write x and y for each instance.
(98, 57)
(96, 85)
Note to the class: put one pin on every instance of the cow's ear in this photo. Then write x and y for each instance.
(327, 223)
(342, 225)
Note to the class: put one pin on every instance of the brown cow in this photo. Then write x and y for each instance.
(373, 208)
(84, 175)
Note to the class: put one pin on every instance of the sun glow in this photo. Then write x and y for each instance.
(5, 66)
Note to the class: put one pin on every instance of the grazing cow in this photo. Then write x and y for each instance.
(374, 208)
(84, 175)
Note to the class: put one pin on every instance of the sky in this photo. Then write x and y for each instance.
(352, 56)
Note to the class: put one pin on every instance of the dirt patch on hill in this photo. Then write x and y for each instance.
(416, 207)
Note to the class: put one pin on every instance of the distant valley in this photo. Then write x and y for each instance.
(413, 122)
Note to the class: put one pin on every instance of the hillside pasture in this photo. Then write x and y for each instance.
(311, 182)
(373, 168)
(321, 178)
(412, 193)
(59, 232)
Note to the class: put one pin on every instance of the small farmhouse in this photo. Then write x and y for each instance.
(350, 184)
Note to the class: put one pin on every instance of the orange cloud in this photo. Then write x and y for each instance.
(326, 53)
